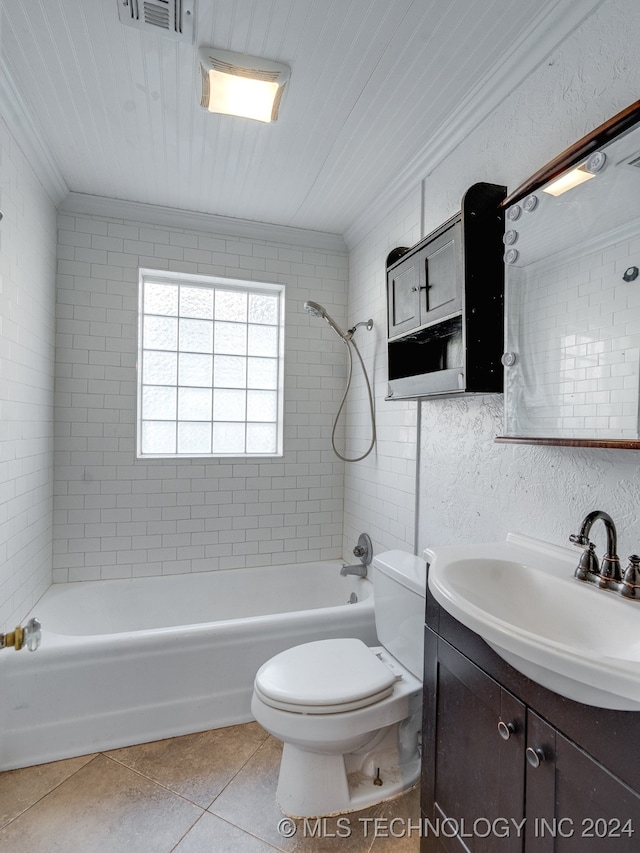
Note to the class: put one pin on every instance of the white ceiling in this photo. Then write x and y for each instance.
(373, 85)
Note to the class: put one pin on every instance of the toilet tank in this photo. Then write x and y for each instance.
(399, 584)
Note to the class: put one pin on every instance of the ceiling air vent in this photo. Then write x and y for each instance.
(171, 18)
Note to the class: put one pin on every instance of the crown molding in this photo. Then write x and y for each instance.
(534, 45)
(29, 137)
(187, 220)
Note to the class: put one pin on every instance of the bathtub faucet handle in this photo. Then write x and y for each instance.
(33, 634)
(364, 549)
(30, 636)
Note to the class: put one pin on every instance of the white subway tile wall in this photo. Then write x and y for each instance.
(116, 516)
(27, 310)
(577, 372)
(380, 491)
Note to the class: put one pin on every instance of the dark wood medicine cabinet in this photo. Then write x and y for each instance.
(445, 304)
(571, 378)
(511, 767)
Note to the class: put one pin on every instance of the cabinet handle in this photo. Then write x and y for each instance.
(505, 730)
(418, 289)
(535, 757)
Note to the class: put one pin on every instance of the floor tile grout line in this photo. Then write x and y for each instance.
(193, 826)
(260, 745)
(229, 823)
(116, 761)
(155, 782)
(176, 793)
(95, 756)
(51, 790)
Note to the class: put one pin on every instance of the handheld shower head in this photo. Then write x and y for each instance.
(316, 310)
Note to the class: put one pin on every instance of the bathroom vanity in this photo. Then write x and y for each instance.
(511, 766)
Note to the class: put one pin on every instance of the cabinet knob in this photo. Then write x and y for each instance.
(535, 757)
(418, 289)
(505, 730)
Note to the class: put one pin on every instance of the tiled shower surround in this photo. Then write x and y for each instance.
(115, 516)
(27, 272)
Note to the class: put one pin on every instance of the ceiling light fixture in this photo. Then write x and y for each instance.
(239, 85)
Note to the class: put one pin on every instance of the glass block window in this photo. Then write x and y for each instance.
(210, 366)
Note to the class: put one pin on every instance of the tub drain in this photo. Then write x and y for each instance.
(353, 598)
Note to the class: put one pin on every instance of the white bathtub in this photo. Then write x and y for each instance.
(129, 661)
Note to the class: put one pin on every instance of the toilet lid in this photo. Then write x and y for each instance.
(324, 677)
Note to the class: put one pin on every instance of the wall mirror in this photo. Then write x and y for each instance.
(572, 298)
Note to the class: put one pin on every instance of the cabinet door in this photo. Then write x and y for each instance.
(441, 288)
(478, 780)
(574, 805)
(403, 295)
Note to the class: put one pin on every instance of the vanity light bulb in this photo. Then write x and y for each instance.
(530, 203)
(514, 212)
(568, 181)
(510, 237)
(511, 256)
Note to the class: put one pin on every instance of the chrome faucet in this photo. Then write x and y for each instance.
(609, 574)
(359, 570)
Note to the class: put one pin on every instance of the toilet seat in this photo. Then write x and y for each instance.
(324, 677)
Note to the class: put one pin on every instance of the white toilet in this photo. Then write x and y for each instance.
(350, 715)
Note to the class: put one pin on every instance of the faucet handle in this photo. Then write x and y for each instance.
(364, 549)
(28, 635)
(33, 634)
(588, 567)
(581, 541)
(631, 580)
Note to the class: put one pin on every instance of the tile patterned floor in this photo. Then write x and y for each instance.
(211, 792)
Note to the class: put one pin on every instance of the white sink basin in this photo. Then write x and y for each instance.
(521, 597)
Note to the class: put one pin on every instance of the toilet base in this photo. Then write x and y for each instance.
(311, 784)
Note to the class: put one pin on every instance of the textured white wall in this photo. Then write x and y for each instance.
(469, 488)
(116, 516)
(474, 490)
(27, 280)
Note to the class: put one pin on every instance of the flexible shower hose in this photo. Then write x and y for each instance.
(349, 342)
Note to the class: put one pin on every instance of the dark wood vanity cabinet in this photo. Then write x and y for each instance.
(471, 774)
(509, 767)
(575, 803)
